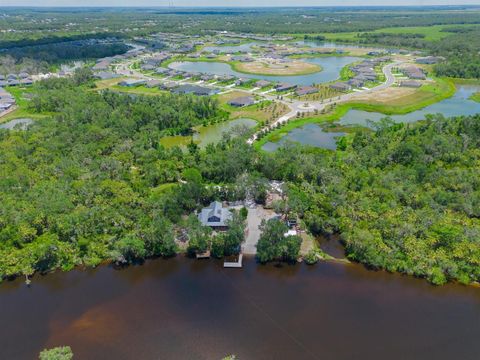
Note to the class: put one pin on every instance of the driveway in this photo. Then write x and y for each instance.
(254, 219)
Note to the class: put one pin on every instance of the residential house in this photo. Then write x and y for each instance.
(215, 216)
(132, 82)
(194, 89)
(340, 86)
(305, 90)
(262, 83)
(284, 87)
(242, 101)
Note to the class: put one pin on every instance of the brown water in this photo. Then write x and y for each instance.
(186, 309)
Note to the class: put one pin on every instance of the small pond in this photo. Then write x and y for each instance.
(20, 124)
(457, 105)
(205, 135)
(309, 134)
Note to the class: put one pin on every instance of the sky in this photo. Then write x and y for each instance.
(233, 3)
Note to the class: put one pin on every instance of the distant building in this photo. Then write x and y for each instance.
(305, 90)
(242, 101)
(215, 216)
(101, 65)
(429, 60)
(105, 75)
(340, 86)
(132, 82)
(152, 83)
(262, 83)
(284, 87)
(194, 89)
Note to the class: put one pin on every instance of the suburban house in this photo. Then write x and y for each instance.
(153, 83)
(262, 83)
(194, 89)
(105, 75)
(414, 72)
(340, 86)
(284, 87)
(215, 216)
(242, 101)
(429, 60)
(131, 82)
(305, 90)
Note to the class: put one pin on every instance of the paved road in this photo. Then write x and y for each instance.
(254, 218)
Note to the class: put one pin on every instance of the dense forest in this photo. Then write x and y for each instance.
(404, 198)
(92, 183)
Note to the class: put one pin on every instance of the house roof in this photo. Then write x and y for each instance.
(242, 101)
(215, 215)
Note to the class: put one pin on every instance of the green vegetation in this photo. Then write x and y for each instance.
(475, 97)
(92, 183)
(404, 198)
(58, 353)
(274, 245)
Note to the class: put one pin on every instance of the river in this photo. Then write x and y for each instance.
(189, 309)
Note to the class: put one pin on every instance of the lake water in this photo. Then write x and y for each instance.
(19, 123)
(457, 105)
(205, 135)
(331, 67)
(189, 309)
(309, 134)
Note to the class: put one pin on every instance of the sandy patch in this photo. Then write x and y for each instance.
(278, 68)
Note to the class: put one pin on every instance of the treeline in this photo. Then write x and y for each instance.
(405, 198)
(67, 51)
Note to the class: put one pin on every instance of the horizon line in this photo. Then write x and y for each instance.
(237, 7)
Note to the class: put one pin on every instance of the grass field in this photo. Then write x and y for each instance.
(475, 97)
(432, 33)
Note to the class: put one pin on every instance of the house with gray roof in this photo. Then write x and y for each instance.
(242, 101)
(215, 216)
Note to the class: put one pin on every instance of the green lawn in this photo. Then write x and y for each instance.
(432, 33)
(475, 97)
(22, 103)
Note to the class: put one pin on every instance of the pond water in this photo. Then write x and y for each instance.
(21, 124)
(309, 134)
(457, 105)
(205, 135)
(189, 309)
(331, 67)
(314, 135)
